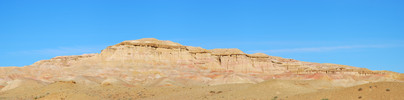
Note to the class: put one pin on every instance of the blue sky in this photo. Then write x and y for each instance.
(362, 33)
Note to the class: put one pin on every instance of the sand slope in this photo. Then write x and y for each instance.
(267, 90)
(70, 90)
(371, 91)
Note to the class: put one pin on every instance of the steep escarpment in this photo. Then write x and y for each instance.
(149, 61)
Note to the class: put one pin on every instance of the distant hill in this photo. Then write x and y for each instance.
(152, 62)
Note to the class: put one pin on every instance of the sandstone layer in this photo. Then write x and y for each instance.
(152, 62)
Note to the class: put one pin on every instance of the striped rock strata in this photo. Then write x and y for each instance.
(150, 62)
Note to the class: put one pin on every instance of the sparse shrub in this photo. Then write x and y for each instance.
(276, 97)
(212, 92)
(324, 99)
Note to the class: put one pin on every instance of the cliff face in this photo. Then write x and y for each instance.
(153, 52)
(143, 61)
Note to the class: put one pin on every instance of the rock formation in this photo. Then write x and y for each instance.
(148, 60)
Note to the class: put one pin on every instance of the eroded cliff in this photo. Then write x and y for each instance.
(155, 62)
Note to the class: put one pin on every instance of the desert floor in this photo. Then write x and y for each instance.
(268, 90)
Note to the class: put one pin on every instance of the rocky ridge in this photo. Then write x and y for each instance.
(152, 62)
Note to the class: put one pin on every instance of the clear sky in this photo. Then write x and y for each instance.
(362, 33)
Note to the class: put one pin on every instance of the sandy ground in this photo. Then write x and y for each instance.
(268, 90)
(371, 91)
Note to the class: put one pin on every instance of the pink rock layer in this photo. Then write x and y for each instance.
(152, 62)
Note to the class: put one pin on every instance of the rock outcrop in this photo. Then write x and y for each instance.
(144, 61)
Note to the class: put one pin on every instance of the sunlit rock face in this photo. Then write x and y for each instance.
(153, 62)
